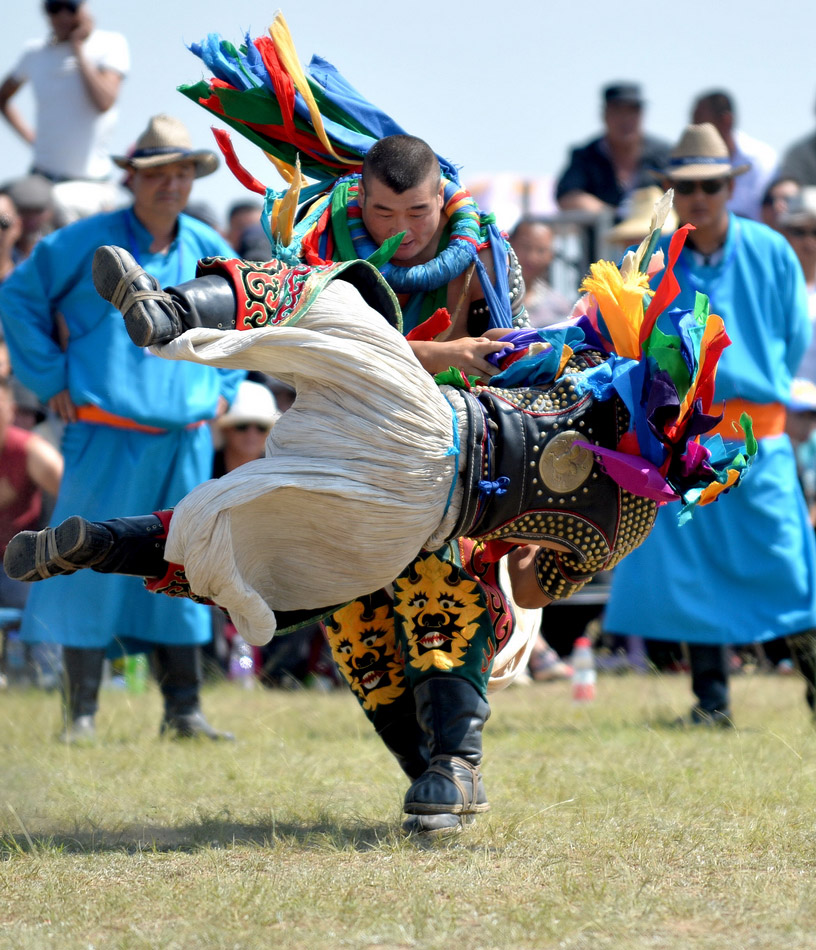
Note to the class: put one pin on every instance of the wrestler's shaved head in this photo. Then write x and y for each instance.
(400, 162)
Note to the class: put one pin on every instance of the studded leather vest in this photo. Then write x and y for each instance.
(528, 480)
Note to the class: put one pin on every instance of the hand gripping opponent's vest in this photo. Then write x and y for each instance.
(527, 479)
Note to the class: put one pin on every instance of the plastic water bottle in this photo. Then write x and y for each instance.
(242, 662)
(583, 671)
(136, 672)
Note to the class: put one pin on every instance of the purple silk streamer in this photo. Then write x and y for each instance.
(632, 473)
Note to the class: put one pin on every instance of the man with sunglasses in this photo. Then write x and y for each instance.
(76, 74)
(746, 572)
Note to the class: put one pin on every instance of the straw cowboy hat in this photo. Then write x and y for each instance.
(701, 153)
(638, 222)
(167, 140)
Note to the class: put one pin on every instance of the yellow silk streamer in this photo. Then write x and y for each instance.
(285, 47)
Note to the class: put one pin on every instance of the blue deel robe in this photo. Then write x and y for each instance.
(742, 569)
(62, 334)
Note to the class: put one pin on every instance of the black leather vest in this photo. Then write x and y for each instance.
(527, 480)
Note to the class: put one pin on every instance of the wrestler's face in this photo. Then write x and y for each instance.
(417, 212)
(164, 189)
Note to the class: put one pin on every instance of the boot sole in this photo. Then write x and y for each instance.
(413, 827)
(36, 555)
(110, 264)
(428, 808)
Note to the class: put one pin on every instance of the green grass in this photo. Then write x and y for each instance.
(608, 828)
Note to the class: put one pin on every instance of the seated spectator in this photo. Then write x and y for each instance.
(776, 199)
(29, 467)
(532, 241)
(33, 197)
(244, 427)
(244, 216)
(799, 161)
(601, 174)
(718, 108)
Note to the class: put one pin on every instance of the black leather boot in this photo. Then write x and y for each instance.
(152, 315)
(178, 672)
(406, 742)
(119, 546)
(82, 675)
(452, 714)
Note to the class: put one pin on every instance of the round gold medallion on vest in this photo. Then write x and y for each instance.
(564, 466)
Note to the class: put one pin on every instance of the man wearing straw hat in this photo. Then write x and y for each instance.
(136, 428)
(745, 572)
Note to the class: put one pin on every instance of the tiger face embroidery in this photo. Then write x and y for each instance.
(364, 647)
(440, 607)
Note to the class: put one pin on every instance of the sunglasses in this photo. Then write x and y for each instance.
(801, 232)
(58, 6)
(5, 222)
(245, 426)
(711, 186)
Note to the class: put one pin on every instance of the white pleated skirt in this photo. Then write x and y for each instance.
(359, 475)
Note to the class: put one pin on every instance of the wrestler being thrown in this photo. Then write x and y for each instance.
(571, 449)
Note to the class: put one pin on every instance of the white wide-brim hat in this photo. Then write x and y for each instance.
(253, 403)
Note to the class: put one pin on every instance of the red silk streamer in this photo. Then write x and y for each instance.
(224, 143)
(438, 322)
(668, 288)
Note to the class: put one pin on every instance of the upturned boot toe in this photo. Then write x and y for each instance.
(72, 545)
(150, 313)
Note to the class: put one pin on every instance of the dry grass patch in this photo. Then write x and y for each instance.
(609, 829)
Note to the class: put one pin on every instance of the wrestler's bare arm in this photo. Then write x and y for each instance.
(521, 568)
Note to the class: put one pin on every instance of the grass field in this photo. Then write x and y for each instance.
(609, 828)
